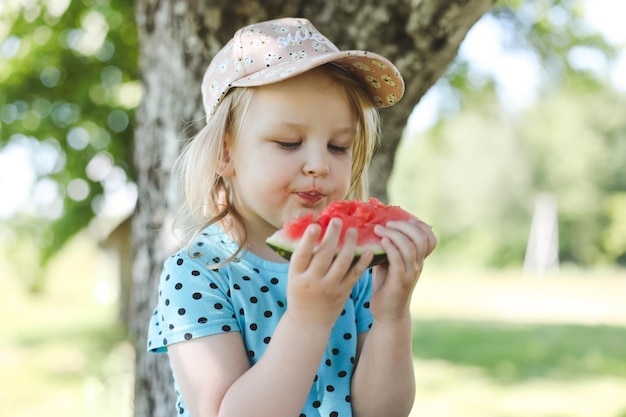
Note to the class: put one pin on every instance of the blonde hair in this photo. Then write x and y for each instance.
(206, 193)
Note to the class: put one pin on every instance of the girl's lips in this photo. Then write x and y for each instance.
(310, 197)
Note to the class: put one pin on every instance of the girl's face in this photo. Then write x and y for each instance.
(292, 154)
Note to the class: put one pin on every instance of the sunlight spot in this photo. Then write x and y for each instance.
(558, 16)
(587, 59)
(99, 166)
(41, 106)
(96, 29)
(115, 180)
(89, 39)
(46, 198)
(111, 76)
(31, 11)
(100, 138)
(517, 73)
(607, 16)
(118, 120)
(106, 51)
(55, 8)
(10, 46)
(78, 189)
(105, 292)
(78, 138)
(618, 72)
(129, 94)
(50, 76)
(48, 157)
(98, 94)
(42, 34)
(16, 178)
(8, 113)
(64, 114)
(31, 120)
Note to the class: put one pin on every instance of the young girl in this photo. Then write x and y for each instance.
(291, 126)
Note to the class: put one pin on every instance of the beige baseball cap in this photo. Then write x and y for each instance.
(272, 51)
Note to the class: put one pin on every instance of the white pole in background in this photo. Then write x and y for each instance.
(542, 250)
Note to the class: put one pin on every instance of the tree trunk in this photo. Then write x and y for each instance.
(177, 40)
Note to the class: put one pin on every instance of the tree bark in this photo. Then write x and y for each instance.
(178, 39)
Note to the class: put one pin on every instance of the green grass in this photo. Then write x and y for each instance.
(514, 353)
(496, 369)
(485, 344)
(501, 344)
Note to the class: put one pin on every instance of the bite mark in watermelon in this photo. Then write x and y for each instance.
(360, 215)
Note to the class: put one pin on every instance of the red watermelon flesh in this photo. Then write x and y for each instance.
(360, 215)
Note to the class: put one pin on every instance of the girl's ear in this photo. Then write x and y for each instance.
(226, 168)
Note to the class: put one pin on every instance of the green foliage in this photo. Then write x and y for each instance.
(68, 90)
(575, 140)
(614, 235)
(554, 33)
(464, 178)
(475, 176)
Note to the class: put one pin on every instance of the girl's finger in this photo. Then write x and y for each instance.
(413, 241)
(418, 232)
(328, 246)
(427, 230)
(344, 266)
(305, 250)
(343, 258)
(394, 257)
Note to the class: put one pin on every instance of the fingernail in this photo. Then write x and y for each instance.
(336, 221)
(418, 221)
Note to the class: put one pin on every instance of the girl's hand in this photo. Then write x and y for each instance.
(321, 279)
(407, 244)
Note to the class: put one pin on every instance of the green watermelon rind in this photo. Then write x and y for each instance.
(285, 249)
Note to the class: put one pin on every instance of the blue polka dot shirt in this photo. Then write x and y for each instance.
(249, 296)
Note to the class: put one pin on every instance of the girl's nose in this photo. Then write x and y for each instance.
(316, 163)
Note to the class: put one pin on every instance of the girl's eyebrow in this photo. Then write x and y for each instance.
(346, 130)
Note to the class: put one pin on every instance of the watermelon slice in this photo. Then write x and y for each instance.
(361, 215)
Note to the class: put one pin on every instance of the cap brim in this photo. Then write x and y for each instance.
(380, 78)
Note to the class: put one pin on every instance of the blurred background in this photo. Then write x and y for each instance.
(517, 157)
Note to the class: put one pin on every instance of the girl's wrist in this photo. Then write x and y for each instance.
(311, 327)
(396, 318)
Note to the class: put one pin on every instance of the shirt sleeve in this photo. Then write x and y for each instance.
(362, 294)
(194, 301)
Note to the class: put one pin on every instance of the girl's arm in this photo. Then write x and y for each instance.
(215, 378)
(383, 382)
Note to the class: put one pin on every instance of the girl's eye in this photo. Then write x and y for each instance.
(288, 145)
(337, 149)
